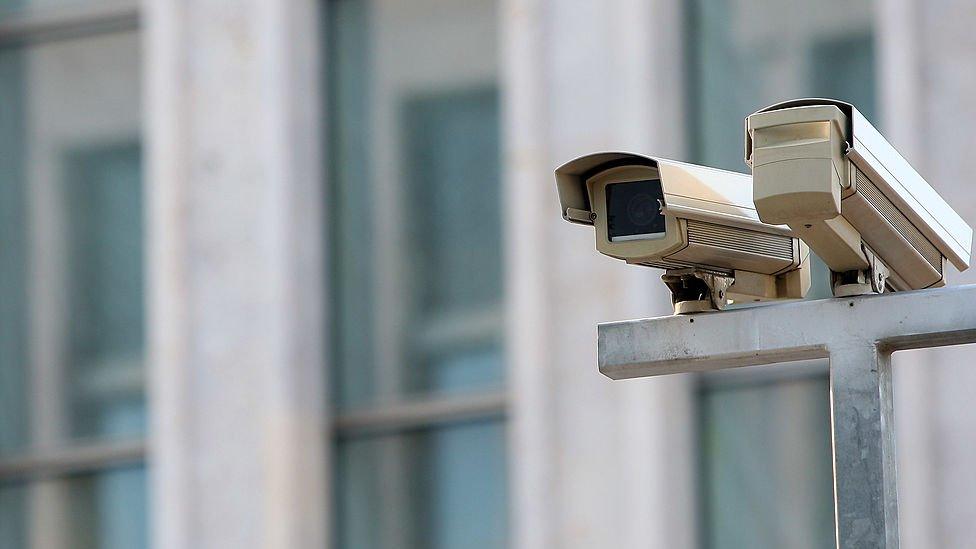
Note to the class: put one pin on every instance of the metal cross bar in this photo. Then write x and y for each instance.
(856, 334)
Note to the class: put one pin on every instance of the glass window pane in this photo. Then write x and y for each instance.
(14, 423)
(71, 214)
(452, 146)
(104, 258)
(13, 516)
(108, 510)
(103, 510)
(415, 194)
(766, 465)
(440, 488)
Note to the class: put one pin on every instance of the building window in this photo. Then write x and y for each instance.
(72, 410)
(765, 448)
(416, 273)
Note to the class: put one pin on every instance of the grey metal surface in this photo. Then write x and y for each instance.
(856, 334)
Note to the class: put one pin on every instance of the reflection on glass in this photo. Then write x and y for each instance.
(451, 147)
(13, 515)
(414, 183)
(766, 466)
(353, 296)
(441, 488)
(108, 510)
(104, 240)
(71, 294)
(462, 369)
(13, 257)
(104, 510)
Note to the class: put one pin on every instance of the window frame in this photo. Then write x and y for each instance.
(42, 460)
(27, 25)
(394, 411)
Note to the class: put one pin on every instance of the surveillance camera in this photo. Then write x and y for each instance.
(697, 223)
(822, 169)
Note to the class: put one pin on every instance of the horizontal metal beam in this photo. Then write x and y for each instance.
(420, 413)
(31, 25)
(786, 332)
(72, 460)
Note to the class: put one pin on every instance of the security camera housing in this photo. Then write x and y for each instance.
(822, 169)
(693, 221)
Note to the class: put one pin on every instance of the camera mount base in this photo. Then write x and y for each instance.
(861, 282)
(697, 291)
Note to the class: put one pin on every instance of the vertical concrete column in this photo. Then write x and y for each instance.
(594, 463)
(237, 449)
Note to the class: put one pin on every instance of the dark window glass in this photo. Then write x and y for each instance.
(439, 488)
(103, 510)
(767, 474)
(105, 323)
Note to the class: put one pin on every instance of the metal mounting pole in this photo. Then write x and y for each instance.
(856, 334)
(866, 505)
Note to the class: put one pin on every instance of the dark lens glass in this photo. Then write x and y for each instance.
(634, 210)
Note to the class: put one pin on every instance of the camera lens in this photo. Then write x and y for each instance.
(634, 210)
(642, 209)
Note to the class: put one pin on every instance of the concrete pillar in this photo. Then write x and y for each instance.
(237, 449)
(595, 463)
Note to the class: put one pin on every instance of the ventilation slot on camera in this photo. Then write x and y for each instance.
(740, 240)
(671, 265)
(896, 219)
(664, 265)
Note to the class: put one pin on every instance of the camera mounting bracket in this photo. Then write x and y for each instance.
(696, 290)
(861, 282)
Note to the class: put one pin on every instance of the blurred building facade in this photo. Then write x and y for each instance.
(291, 273)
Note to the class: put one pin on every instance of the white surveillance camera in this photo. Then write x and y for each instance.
(822, 169)
(697, 223)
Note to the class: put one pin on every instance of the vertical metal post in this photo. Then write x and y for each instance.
(866, 503)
